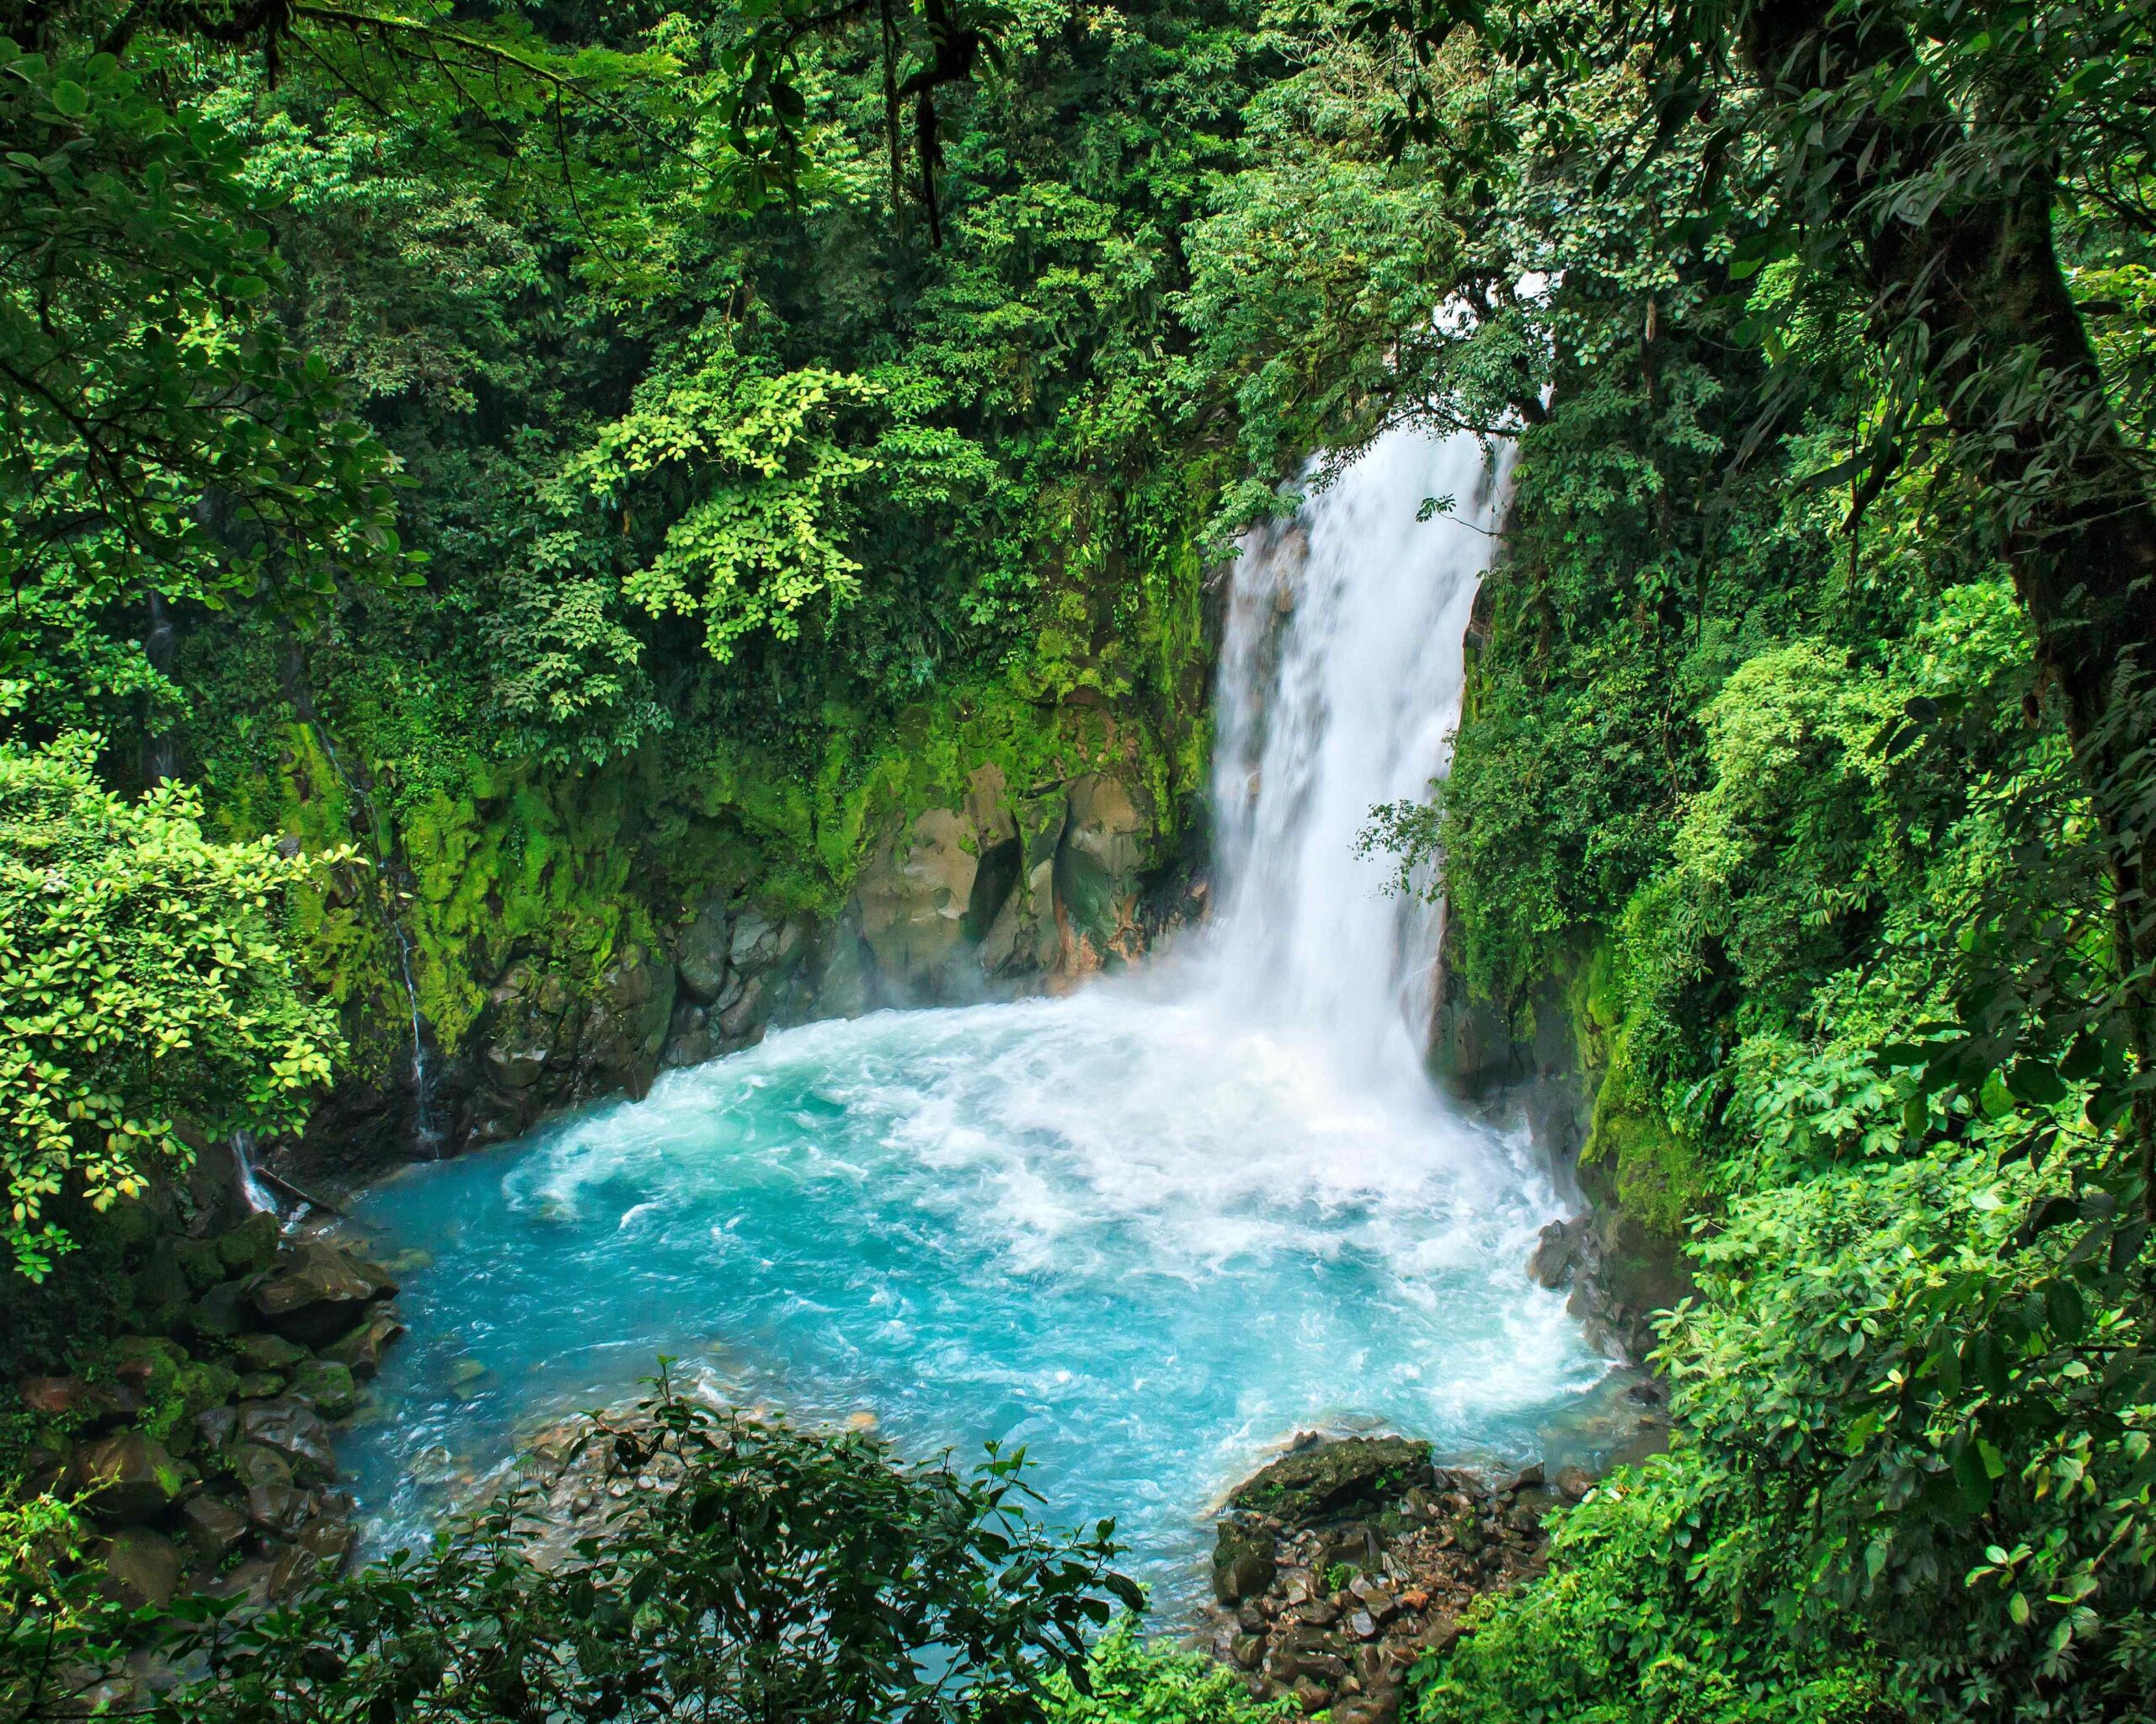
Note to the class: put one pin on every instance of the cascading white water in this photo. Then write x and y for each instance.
(1148, 1229)
(1340, 684)
(252, 1191)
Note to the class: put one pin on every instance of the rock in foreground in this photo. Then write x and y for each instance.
(1342, 1563)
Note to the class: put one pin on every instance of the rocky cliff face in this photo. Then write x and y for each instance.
(990, 890)
(1544, 1061)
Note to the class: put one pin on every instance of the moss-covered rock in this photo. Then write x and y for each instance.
(141, 1566)
(327, 1385)
(1327, 1478)
(126, 1478)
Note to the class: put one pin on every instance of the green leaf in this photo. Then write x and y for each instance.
(1975, 1479)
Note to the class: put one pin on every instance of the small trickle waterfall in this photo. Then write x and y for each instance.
(1340, 683)
(1148, 1229)
(252, 1191)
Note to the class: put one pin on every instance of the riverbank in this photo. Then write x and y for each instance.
(200, 1443)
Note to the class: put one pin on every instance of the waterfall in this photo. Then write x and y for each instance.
(426, 1125)
(1339, 687)
(252, 1191)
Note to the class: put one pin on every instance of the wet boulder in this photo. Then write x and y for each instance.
(214, 1430)
(316, 1292)
(275, 1504)
(125, 1477)
(325, 1384)
(702, 951)
(626, 1027)
(266, 1352)
(294, 1430)
(250, 1246)
(150, 1364)
(688, 1037)
(1558, 1251)
(1312, 1482)
(212, 1526)
(141, 1566)
(360, 1349)
(1243, 1564)
(95, 1405)
(225, 1311)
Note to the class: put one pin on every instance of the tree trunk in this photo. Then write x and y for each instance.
(1978, 287)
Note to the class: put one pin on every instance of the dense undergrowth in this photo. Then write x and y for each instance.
(1768, 775)
(547, 461)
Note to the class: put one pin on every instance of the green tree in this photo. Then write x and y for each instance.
(160, 439)
(148, 996)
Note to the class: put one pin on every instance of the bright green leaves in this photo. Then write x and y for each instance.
(145, 997)
(160, 433)
(750, 473)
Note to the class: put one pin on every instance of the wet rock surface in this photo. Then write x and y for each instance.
(1343, 1563)
(206, 1456)
(1618, 1277)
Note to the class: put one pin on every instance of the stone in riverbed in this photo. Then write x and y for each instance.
(1243, 1565)
(275, 1505)
(317, 1292)
(214, 1429)
(212, 1526)
(251, 1246)
(266, 1352)
(254, 1463)
(318, 1549)
(360, 1349)
(277, 1509)
(95, 1404)
(1312, 1482)
(225, 1309)
(294, 1430)
(141, 1566)
(327, 1385)
(1557, 1252)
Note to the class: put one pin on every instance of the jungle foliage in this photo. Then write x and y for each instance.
(1804, 762)
(772, 1574)
(148, 998)
(446, 432)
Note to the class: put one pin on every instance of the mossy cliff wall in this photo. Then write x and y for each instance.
(1555, 1051)
(567, 935)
